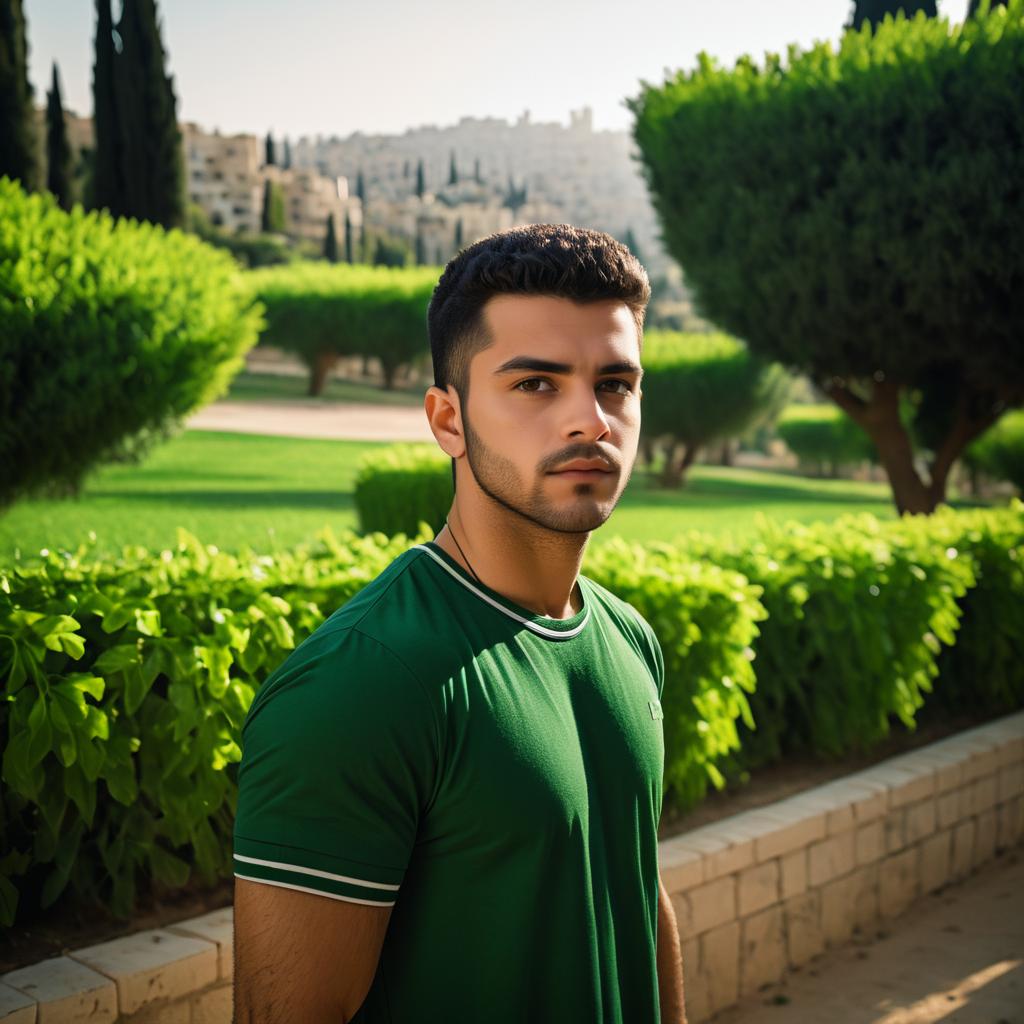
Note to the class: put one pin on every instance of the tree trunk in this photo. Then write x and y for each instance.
(879, 417)
(320, 371)
(725, 456)
(389, 372)
(674, 473)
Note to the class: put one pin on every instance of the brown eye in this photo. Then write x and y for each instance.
(532, 385)
(618, 387)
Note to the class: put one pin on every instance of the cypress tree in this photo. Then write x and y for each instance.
(58, 152)
(272, 216)
(270, 155)
(348, 238)
(476, 171)
(421, 248)
(874, 11)
(18, 157)
(405, 169)
(287, 154)
(361, 186)
(107, 182)
(458, 234)
(453, 171)
(151, 149)
(420, 178)
(331, 241)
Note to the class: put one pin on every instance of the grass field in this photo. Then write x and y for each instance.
(237, 489)
(261, 387)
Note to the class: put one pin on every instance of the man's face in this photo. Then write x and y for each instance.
(552, 420)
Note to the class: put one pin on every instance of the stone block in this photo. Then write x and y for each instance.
(793, 872)
(1010, 823)
(712, 904)
(762, 950)
(732, 849)
(758, 887)
(936, 860)
(917, 785)
(984, 838)
(695, 989)
(681, 866)
(947, 809)
(894, 829)
(872, 800)
(720, 960)
(66, 991)
(983, 794)
(899, 880)
(152, 965)
(800, 827)
(831, 858)
(963, 849)
(218, 927)
(869, 843)
(1010, 782)
(16, 1007)
(804, 937)
(838, 907)
(920, 821)
(213, 1007)
(865, 908)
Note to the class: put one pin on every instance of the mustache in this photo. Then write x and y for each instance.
(580, 451)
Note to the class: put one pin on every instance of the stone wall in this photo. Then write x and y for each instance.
(754, 894)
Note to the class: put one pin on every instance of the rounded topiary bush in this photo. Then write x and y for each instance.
(825, 435)
(112, 332)
(402, 486)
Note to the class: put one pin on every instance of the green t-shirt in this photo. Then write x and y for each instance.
(492, 774)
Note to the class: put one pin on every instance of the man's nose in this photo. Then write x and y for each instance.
(585, 419)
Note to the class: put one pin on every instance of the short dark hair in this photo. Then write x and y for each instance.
(536, 259)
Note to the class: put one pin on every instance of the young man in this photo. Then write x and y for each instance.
(449, 794)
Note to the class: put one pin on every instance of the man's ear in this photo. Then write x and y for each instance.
(444, 414)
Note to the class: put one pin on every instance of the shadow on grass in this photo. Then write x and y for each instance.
(288, 500)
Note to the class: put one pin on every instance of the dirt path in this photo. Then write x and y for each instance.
(332, 421)
(957, 957)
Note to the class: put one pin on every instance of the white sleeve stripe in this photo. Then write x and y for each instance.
(315, 872)
(315, 892)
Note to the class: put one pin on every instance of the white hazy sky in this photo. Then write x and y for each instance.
(315, 66)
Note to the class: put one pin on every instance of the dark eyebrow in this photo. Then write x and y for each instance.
(519, 363)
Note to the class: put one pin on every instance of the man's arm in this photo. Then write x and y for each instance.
(302, 957)
(670, 961)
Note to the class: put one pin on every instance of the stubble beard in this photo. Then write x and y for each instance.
(498, 478)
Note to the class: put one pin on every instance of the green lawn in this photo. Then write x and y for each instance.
(260, 387)
(235, 489)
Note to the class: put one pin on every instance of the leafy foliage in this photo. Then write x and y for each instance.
(402, 486)
(112, 333)
(999, 452)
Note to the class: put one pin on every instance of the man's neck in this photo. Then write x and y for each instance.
(526, 563)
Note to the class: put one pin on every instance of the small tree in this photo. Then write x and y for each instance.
(453, 171)
(420, 179)
(815, 205)
(349, 251)
(17, 117)
(330, 241)
(108, 170)
(272, 220)
(476, 171)
(58, 152)
(458, 234)
(269, 151)
(361, 187)
(287, 159)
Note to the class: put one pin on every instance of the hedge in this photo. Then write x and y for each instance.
(824, 434)
(127, 680)
(999, 452)
(113, 331)
(402, 486)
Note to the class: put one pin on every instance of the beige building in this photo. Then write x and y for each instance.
(310, 198)
(223, 177)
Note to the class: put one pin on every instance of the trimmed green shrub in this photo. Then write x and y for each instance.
(999, 452)
(403, 486)
(112, 333)
(705, 618)
(321, 311)
(814, 199)
(823, 435)
(699, 388)
(126, 685)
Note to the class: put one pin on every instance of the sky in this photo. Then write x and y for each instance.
(308, 67)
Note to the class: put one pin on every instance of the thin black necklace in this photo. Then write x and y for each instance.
(461, 552)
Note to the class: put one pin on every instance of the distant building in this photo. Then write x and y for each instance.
(223, 175)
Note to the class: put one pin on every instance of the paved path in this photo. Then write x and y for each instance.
(957, 957)
(333, 421)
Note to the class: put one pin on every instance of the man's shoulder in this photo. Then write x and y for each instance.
(625, 615)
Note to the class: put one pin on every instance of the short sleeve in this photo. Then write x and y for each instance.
(339, 759)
